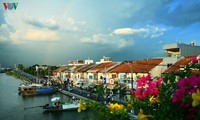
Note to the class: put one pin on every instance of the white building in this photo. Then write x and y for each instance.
(88, 61)
(104, 60)
(175, 51)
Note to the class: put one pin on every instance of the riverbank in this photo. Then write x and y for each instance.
(16, 75)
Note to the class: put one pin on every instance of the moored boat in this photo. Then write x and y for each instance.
(37, 90)
(56, 105)
(27, 86)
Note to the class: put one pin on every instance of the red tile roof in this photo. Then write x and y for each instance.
(85, 68)
(58, 69)
(137, 66)
(176, 66)
(102, 67)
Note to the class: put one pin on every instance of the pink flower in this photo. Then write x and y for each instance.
(141, 82)
(132, 92)
(147, 87)
(184, 83)
(148, 77)
(145, 93)
(138, 94)
(155, 92)
(195, 81)
(191, 91)
(152, 85)
(178, 95)
(160, 81)
(194, 59)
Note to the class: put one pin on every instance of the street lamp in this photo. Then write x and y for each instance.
(129, 64)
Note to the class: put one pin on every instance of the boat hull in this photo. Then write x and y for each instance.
(62, 107)
(38, 91)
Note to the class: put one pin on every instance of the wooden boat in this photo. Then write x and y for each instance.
(56, 106)
(26, 86)
(37, 90)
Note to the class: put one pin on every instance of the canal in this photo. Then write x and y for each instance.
(16, 107)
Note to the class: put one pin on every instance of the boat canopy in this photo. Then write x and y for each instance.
(55, 99)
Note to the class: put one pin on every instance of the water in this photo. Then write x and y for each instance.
(12, 105)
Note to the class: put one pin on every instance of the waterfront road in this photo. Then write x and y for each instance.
(85, 95)
(94, 96)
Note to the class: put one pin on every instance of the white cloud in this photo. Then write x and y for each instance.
(155, 31)
(25, 35)
(156, 35)
(5, 31)
(42, 23)
(160, 42)
(39, 29)
(72, 25)
(149, 31)
(129, 31)
(109, 40)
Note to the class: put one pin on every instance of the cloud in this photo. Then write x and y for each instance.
(129, 31)
(160, 42)
(49, 23)
(107, 40)
(156, 35)
(155, 31)
(30, 29)
(151, 31)
(177, 13)
(5, 31)
(185, 13)
(2, 20)
(27, 35)
(72, 25)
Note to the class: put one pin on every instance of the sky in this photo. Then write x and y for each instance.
(54, 32)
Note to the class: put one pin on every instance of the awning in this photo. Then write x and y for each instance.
(55, 99)
(111, 86)
(92, 71)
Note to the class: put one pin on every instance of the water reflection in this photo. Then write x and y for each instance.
(13, 106)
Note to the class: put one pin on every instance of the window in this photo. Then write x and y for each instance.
(90, 77)
(114, 76)
(95, 76)
(169, 64)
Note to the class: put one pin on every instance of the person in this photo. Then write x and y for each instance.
(73, 99)
(72, 83)
(90, 93)
(67, 80)
(81, 89)
(111, 95)
(57, 103)
(108, 98)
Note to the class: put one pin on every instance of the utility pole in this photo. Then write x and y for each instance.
(105, 85)
(130, 66)
(37, 69)
(48, 75)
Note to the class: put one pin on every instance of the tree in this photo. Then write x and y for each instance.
(20, 66)
(100, 92)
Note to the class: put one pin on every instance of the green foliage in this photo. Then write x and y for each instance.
(41, 72)
(101, 112)
(20, 66)
(100, 91)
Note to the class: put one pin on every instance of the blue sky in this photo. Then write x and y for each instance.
(55, 32)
